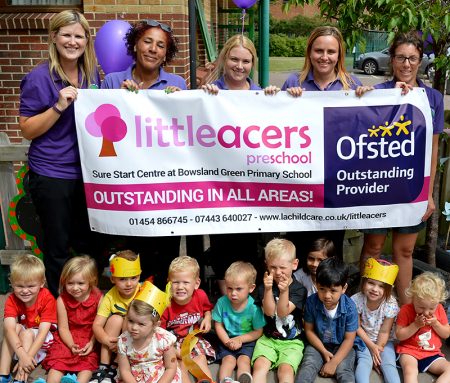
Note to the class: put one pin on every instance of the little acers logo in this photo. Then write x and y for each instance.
(106, 122)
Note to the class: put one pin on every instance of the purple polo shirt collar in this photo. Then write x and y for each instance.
(310, 84)
(222, 85)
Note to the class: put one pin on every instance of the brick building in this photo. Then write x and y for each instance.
(23, 37)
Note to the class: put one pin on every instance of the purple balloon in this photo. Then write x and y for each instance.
(244, 4)
(110, 46)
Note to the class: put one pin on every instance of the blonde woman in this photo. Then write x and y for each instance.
(47, 119)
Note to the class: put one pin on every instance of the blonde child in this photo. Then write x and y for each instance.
(377, 310)
(125, 270)
(282, 298)
(420, 327)
(146, 352)
(29, 319)
(73, 350)
(190, 309)
(320, 249)
(238, 322)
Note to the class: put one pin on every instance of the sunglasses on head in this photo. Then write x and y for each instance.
(154, 23)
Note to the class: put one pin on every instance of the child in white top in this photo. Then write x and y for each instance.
(320, 249)
(377, 310)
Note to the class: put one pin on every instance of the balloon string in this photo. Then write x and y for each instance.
(243, 20)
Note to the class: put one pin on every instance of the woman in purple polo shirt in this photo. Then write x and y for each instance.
(324, 70)
(236, 60)
(152, 45)
(406, 54)
(47, 118)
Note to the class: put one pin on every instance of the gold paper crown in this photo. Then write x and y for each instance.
(380, 270)
(156, 298)
(124, 268)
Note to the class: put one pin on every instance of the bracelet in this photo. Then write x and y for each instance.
(56, 109)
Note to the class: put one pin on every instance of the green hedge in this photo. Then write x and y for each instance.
(297, 26)
(281, 45)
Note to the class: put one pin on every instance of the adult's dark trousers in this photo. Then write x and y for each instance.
(61, 207)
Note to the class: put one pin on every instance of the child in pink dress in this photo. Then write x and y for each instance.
(74, 347)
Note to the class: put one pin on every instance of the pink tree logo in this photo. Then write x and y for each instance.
(106, 122)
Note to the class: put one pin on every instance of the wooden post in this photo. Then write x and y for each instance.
(8, 188)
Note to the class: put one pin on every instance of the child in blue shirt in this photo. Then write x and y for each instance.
(331, 321)
(238, 322)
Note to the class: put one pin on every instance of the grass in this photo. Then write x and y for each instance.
(290, 64)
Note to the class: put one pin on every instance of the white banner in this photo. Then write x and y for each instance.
(191, 163)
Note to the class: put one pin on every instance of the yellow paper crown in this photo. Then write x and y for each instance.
(124, 268)
(156, 298)
(380, 270)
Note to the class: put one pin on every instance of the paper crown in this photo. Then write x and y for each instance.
(124, 268)
(380, 270)
(156, 298)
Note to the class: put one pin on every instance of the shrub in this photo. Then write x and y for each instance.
(297, 26)
(281, 45)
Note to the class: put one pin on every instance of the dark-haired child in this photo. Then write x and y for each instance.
(331, 321)
(320, 249)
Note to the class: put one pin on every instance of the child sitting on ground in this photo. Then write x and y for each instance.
(29, 319)
(320, 249)
(282, 298)
(125, 270)
(190, 309)
(331, 321)
(146, 352)
(238, 323)
(74, 348)
(420, 327)
(377, 309)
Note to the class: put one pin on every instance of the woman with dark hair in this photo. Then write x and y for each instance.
(152, 45)
(324, 70)
(47, 119)
(406, 54)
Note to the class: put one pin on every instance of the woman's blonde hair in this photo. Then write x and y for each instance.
(82, 264)
(26, 268)
(87, 62)
(339, 69)
(429, 286)
(233, 42)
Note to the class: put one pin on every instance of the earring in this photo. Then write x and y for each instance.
(134, 49)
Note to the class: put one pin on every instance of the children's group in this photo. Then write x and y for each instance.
(299, 322)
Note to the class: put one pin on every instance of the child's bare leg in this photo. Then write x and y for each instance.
(227, 367)
(285, 373)
(6, 357)
(203, 364)
(243, 365)
(26, 337)
(113, 328)
(83, 376)
(410, 369)
(185, 375)
(260, 369)
(54, 376)
(441, 368)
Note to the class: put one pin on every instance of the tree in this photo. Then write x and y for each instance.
(432, 17)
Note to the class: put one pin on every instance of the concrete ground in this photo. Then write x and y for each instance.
(423, 378)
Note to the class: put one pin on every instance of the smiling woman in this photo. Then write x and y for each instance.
(47, 118)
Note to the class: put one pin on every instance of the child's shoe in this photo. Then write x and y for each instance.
(69, 378)
(7, 379)
(98, 375)
(110, 376)
(38, 380)
(228, 380)
(245, 377)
